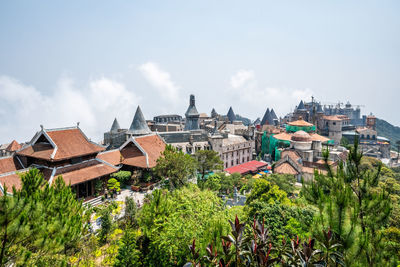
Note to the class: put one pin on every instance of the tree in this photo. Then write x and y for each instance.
(113, 185)
(213, 183)
(208, 160)
(171, 219)
(175, 166)
(128, 254)
(122, 176)
(105, 224)
(40, 222)
(266, 192)
(285, 182)
(353, 206)
(130, 211)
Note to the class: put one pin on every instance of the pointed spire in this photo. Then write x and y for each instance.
(214, 114)
(257, 121)
(264, 119)
(273, 114)
(231, 115)
(139, 125)
(115, 126)
(301, 106)
(192, 110)
(192, 116)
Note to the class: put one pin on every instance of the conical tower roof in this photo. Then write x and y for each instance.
(270, 119)
(301, 106)
(115, 126)
(264, 119)
(257, 121)
(139, 125)
(213, 113)
(273, 114)
(231, 115)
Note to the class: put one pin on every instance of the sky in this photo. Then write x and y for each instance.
(63, 62)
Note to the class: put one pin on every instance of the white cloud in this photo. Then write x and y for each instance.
(94, 105)
(161, 81)
(242, 77)
(256, 99)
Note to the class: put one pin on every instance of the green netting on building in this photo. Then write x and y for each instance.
(293, 129)
(274, 144)
(264, 144)
(277, 154)
(330, 142)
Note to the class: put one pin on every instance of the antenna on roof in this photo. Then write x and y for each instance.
(77, 124)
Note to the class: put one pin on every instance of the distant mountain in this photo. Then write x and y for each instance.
(389, 131)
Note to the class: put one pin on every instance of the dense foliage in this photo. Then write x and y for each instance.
(40, 223)
(176, 167)
(208, 160)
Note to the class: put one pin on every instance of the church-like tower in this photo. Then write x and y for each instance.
(192, 116)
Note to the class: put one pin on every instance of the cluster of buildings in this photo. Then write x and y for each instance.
(290, 145)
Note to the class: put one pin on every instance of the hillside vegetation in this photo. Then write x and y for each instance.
(389, 131)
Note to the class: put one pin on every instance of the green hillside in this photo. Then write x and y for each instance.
(389, 131)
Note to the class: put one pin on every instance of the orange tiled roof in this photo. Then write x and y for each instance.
(13, 146)
(113, 157)
(285, 168)
(88, 173)
(292, 154)
(283, 136)
(332, 118)
(153, 145)
(9, 164)
(11, 180)
(70, 143)
(300, 123)
(317, 137)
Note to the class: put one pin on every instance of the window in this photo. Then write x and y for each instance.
(237, 161)
(231, 162)
(334, 123)
(367, 136)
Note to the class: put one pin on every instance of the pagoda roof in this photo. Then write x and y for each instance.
(13, 146)
(60, 144)
(139, 125)
(142, 151)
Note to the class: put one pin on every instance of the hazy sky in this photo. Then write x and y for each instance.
(90, 61)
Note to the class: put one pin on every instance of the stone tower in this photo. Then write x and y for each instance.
(192, 116)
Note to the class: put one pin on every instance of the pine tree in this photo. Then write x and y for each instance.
(106, 224)
(130, 211)
(40, 222)
(353, 206)
(128, 254)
